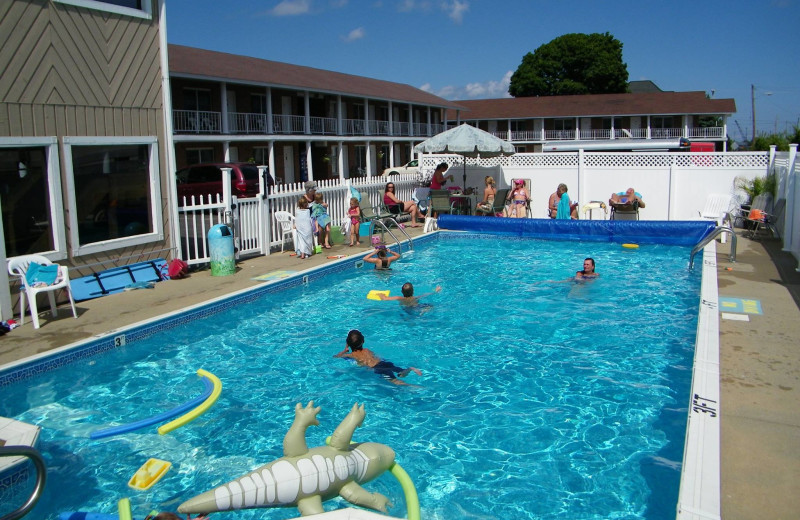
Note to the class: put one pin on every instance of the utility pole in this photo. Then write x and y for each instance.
(753, 101)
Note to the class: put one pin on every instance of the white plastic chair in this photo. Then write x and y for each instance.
(286, 222)
(18, 267)
(717, 208)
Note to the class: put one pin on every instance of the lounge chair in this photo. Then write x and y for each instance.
(37, 274)
(626, 211)
(759, 220)
(499, 205)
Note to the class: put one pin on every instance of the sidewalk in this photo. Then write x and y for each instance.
(760, 359)
(760, 384)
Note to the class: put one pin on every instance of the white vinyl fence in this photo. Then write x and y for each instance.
(674, 187)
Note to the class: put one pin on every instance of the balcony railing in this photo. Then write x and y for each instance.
(282, 124)
(710, 131)
(323, 125)
(196, 122)
(244, 123)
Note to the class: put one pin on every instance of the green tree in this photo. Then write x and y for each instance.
(572, 64)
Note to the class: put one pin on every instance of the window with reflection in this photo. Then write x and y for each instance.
(112, 191)
(25, 199)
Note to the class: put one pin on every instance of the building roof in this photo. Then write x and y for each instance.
(213, 65)
(642, 85)
(594, 105)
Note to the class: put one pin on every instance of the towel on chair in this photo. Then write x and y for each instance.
(563, 208)
(41, 274)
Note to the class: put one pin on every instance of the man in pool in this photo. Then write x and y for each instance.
(588, 270)
(367, 358)
(408, 301)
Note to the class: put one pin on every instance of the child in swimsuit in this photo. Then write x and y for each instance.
(355, 220)
(365, 357)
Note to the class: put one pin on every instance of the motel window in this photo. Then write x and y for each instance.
(113, 188)
(564, 124)
(30, 197)
(134, 8)
(199, 155)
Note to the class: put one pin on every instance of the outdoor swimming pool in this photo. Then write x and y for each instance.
(538, 399)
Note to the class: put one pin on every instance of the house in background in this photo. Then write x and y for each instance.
(644, 119)
(304, 123)
(83, 139)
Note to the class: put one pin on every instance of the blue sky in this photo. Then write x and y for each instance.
(468, 49)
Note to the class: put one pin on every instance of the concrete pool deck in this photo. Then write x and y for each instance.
(760, 359)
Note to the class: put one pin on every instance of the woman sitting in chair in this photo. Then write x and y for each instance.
(486, 206)
(397, 206)
(555, 202)
(518, 198)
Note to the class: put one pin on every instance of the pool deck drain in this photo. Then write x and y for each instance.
(759, 359)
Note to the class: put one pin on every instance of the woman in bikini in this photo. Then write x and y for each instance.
(519, 198)
(381, 257)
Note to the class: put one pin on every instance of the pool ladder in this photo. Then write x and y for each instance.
(41, 477)
(385, 229)
(711, 236)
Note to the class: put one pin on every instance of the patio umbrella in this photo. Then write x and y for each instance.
(468, 141)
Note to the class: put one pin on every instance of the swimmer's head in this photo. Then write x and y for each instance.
(407, 289)
(355, 340)
(381, 253)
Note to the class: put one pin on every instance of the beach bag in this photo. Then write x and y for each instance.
(177, 269)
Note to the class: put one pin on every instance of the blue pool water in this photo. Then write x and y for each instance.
(538, 399)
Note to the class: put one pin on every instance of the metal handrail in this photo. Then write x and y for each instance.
(41, 477)
(711, 236)
(387, 230)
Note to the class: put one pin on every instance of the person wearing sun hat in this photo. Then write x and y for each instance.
(518, 198)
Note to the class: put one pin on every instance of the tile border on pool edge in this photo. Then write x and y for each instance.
(32, 366)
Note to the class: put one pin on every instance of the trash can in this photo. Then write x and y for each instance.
(220, 245)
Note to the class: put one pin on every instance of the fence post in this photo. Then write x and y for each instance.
(264, 220)
(792, 193)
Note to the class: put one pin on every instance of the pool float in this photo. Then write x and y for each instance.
(630, 246)
(305, 477)
(150, 473)
(200, 410)
(420, 290)
(169, 414)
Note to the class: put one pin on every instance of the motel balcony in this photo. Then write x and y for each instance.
(242, 123)
(714, 132)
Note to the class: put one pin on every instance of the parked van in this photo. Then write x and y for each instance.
(206, 179)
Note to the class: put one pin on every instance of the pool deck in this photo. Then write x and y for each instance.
(760, 358)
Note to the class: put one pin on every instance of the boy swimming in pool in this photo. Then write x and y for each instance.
(367, 358)
(408, 301)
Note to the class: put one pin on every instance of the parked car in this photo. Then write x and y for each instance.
(205, 179)
(409, 168)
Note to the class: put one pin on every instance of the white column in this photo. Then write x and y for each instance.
(366, 121)
(271, 159)
(307, 118)
(577, 128)
(686, 125)
(648, 127)
(226, 151)
(308, 161)
(429, 132)
(339, 126)
(792, 193)
(391, 122)
(410, 120)
(270, 127)
(223, 92)
(340, 159)
(368, 158)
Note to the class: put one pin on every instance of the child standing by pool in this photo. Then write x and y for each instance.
(319, 212)
(304, 233)
(355, 220)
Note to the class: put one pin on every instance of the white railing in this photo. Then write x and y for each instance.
(287, 124)
(195, 217)
(595, 134)
(710, 131)
(559, 135)
(323, 125)
(353, 127)
(666, 133)
(400, 128)
(378, 127)
(247, 123)
(196, 122)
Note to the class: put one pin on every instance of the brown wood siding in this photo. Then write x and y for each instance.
(73, 71)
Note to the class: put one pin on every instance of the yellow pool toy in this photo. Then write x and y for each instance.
(374, 295)
(630, 246)
(150, 473)
(200, 410)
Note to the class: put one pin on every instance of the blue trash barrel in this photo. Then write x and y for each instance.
(220, 245)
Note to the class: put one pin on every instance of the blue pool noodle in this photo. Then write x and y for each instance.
(169, 414)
